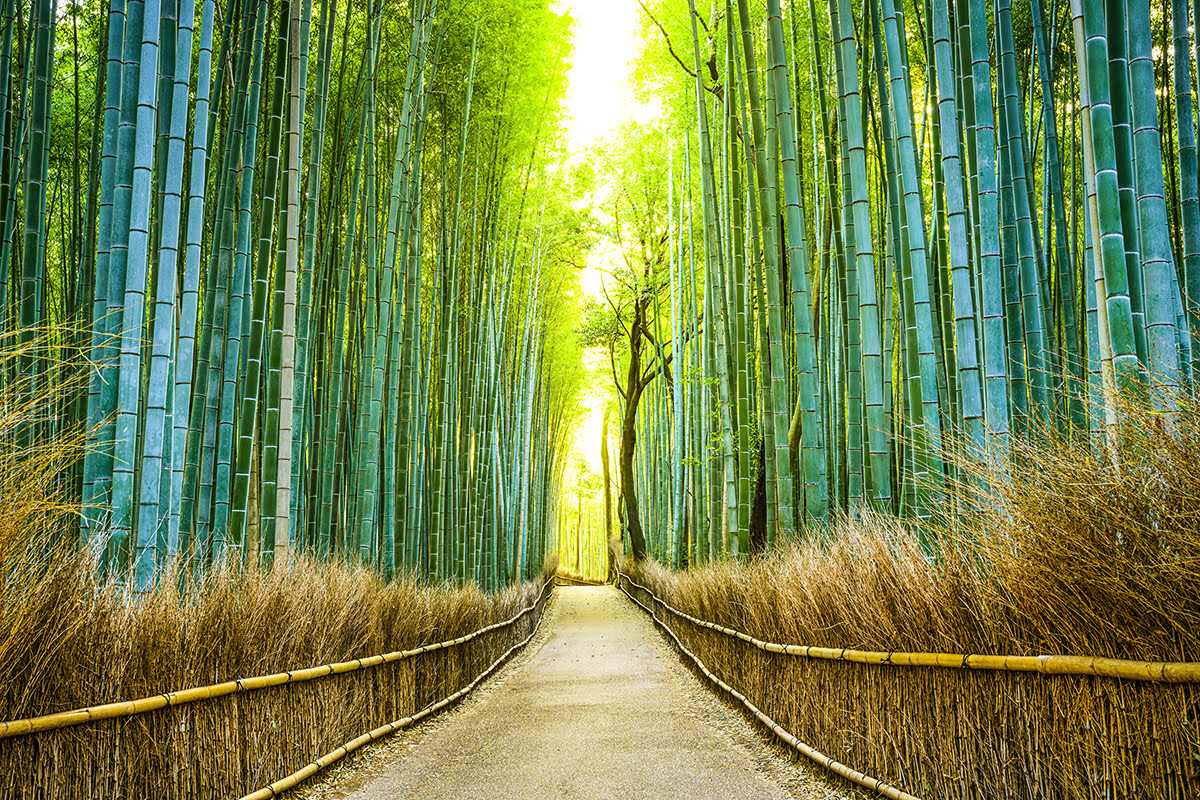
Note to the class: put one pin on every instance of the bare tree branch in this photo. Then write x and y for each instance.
(712, 62)
(663, 368)
(616, 310)
(612, 362)
(667, 37)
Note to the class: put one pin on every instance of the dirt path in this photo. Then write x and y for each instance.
(601, 709)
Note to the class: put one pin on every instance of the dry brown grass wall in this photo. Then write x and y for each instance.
(1074, 555)
(79, 644)
(69, 641)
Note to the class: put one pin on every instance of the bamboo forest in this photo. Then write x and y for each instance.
(833, 360)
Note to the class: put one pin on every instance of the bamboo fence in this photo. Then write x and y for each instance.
(939, 725)
(226, 739)
(575, 580)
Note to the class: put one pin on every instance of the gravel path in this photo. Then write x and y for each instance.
(597, 707)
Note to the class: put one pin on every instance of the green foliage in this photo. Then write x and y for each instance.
(900, 233)
(353, 259)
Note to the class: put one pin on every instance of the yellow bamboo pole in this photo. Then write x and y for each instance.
(574, 580)
(66, 719)
(1159, 671)
(332, 757)
(849, 773)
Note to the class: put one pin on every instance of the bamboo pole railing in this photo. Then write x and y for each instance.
(1095, 666)
(65, 719)
(851, 774)
(332, 757)
(574, 580)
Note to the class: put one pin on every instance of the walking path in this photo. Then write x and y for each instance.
(601, 709)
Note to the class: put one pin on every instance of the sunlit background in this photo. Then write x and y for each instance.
(598, 94)
(600, 98)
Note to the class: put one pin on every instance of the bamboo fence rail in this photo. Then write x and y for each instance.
(1165, 671)
(332, 757)
(128, 708)
(575, 580)
(984, 728)
(249, 729)
(862, 779)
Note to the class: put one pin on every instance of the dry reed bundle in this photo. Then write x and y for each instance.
(115, 648)
(1080, 554)
(69, 641)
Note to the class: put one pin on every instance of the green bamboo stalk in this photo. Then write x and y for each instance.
(995, 372)
(97, 466)
(251, 384)
(1110, 240)
(1154, 236)
(1064, 261)
(158, 449)
(924, 407)
(305, 368)
(970, 385)
(30, 300)
(123, 298)
(1037, 362)
(816, 502)
(1113, 20)
(864, 253)
(299, 19)
(230, 498)
(1189, 184)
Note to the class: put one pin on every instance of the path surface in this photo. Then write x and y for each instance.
(603, 709)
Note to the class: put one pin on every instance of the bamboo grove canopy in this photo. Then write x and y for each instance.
(318, 263)
(885, 231)
(308, 256)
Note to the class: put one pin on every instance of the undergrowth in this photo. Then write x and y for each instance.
(1080, 550)
(70, 639)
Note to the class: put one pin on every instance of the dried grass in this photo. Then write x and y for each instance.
(68, 640)
(80, 644)
(1073, 556)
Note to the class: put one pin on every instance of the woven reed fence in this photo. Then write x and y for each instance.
(930, 725)
(228, 739)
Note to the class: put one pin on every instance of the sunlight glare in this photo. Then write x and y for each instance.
(599, 96)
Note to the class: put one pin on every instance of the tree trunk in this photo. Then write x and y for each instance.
(633, 395)
(758, 508)
(608, 534)
(632, 518)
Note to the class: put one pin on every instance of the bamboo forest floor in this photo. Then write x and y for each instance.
(598, 706)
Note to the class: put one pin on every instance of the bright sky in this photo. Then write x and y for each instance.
(598, 94)
(599, 98)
